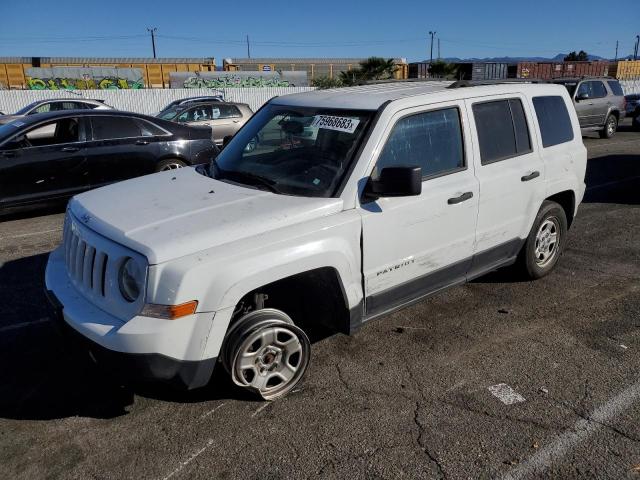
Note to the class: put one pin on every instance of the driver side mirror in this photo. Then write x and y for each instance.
(395, 182)
(582, 96)
(15, 144)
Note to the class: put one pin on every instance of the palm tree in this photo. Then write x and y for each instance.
(373, 68)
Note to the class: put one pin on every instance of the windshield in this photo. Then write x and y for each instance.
(24, 110)
(302, 151)
(168, 114)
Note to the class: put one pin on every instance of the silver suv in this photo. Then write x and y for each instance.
(599, 103)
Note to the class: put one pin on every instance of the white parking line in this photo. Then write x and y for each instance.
(583, 429)
(211, 411)
(24, 324)
(189, 460)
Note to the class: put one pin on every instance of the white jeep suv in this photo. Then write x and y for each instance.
(353, 203)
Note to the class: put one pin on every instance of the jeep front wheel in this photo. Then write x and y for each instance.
(266, 353)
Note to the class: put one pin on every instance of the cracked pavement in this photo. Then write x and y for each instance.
(406, 397)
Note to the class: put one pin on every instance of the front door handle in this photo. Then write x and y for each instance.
(70, 149)
(460, 199)
(531, 176)
(8, 154)
(142, 142)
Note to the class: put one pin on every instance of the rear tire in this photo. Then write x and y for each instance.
(169, 164)
(610, 127)
(266, 353)
(546, 241)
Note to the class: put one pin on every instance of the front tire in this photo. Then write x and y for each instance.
(169, 164)
(266, 353)
(610, 127)
(545, 242)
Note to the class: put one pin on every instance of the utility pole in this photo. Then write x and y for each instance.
(439, 57)
(431, 57)
(248, 48)
(152, 30)
(635, 52)
(616, 50)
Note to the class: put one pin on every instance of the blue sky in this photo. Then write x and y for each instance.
(328, 28)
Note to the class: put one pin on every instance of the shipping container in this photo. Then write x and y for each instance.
(625, 69)
(548, 70)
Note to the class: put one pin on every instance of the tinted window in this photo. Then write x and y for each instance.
(502, 129)
(431, 140)
(200, 113)
(105, 128)
(45, 107)
(598, 89)
(615, 87)
(554, 120)
(149, 129)
(584, 90)
(65, 130)
(226, 111)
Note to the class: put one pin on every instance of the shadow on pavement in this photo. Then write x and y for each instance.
(613, 179)
(43, 377)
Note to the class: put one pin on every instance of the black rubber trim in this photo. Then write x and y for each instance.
(154, 367)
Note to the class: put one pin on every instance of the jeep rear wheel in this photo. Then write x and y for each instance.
(545, 242)
(610, 127)
(266, 353)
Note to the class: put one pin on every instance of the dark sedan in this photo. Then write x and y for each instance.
(55, 155)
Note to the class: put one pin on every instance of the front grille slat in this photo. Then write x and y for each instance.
(86, 265)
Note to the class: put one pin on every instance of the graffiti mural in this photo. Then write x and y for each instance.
(237, 79)
(79, 78)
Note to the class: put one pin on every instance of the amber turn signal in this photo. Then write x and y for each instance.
(170, 312)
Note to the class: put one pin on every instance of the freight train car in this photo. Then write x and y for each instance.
(548, 70)
(315, 67)
(155, 71)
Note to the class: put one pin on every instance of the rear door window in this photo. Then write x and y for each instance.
(502, 129)
(226, 111)
(553, 118)
(598, 89)
(110, 128)
(431, 140)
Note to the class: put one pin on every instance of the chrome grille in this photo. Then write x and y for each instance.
(86, 266)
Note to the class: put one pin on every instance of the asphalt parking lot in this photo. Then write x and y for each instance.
(409, 396)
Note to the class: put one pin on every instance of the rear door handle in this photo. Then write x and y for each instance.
(460, 199)
(531, 176)
(142, 142)
(70, 149)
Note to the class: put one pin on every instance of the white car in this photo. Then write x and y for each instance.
(355, 202)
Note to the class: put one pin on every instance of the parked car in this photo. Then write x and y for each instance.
(55, 155)
(401, 191)
(44, 106)
(599, 103)
(186, 101)
(633, 108)
(225, 119)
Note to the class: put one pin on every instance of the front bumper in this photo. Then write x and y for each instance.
(144, 348)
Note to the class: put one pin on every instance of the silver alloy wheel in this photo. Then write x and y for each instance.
(171, 166)
(268, 357)
(547, 241)
(611, 126)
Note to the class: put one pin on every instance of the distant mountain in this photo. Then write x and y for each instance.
(557, 58)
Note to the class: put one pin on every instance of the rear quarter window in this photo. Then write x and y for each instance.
(554, 120)
(615, 87)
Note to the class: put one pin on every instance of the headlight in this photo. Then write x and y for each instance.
(130, 279)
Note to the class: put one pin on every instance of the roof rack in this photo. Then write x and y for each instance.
(478, 83)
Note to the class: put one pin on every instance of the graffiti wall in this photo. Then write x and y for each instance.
(84, 78)
(238, 79)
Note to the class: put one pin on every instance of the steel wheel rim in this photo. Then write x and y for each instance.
(272, 359)
(171, 166)
(547, 241)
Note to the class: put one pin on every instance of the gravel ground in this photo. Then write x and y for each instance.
(407, 397)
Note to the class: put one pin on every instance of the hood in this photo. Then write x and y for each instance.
(8, 118)
(176, 213)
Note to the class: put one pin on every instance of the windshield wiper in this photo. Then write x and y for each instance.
(252, 178)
